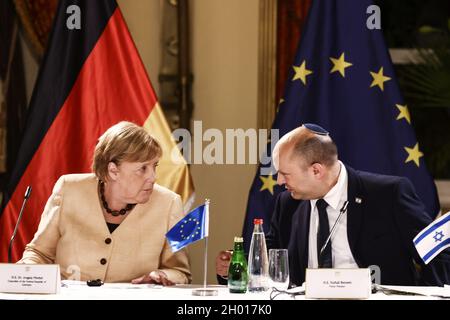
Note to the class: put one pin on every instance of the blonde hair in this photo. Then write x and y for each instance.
(125, 141)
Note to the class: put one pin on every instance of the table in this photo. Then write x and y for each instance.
(125, 291)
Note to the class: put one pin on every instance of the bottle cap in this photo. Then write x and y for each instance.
(257, 221)
(238, 239)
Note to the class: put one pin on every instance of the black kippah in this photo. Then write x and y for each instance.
(316, 129)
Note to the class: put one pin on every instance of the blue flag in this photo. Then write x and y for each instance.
(194, 226)
(434, 238)
(343, 80)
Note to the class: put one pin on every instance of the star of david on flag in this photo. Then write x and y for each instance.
(193, 227)
(434, 238)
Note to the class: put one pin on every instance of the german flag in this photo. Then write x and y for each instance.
(91, 78)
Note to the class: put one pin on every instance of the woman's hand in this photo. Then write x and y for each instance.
(157, 277)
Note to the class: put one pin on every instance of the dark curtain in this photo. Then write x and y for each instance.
(36, 19)
(291, 16)
(33, 19)
(13, 95)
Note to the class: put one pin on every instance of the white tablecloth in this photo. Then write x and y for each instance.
(124, 291)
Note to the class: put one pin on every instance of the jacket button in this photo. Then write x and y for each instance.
(103, 261)
(108, 240)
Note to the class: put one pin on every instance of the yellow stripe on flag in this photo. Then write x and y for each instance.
(173, 171)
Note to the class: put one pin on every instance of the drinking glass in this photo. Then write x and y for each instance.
(279, 268)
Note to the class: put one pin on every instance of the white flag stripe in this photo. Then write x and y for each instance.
(430, 246)
(435, 251)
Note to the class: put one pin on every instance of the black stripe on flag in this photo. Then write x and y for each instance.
(66, 53)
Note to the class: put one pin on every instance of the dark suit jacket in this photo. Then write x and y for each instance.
(380, 230)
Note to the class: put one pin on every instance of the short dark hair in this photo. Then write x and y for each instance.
(316, 149)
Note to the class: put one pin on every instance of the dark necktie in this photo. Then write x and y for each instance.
(324, 259)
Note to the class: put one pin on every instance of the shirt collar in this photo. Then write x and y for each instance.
(334, 196)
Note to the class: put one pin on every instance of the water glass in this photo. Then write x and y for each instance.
(279, 268)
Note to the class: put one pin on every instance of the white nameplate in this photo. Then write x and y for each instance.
(29, 278)
(338, 284)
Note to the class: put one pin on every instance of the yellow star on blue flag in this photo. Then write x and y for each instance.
(379, 79)
(339, 64)
(193, 227)
(268, 183)
(414, 154)
(301, 72)
(404, 113)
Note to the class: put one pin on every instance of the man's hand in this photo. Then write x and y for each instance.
(223, 263)
(157, 277)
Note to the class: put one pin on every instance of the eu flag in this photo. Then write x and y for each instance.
(193, 227)
(343, 80)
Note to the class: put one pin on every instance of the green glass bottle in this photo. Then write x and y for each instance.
(237, 272)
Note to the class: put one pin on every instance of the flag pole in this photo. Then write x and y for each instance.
(205, 291)
(205, 266)
(205, 262)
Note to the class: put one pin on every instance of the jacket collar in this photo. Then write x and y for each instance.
(354, 211)
(299, 243)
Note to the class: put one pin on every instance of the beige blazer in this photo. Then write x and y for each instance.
(73, 233)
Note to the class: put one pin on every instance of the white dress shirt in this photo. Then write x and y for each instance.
(340, 248)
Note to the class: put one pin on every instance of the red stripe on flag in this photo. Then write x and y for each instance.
(112, 86)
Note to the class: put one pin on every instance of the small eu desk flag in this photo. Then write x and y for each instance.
(343, 79)
(434, 238)
(193, 227)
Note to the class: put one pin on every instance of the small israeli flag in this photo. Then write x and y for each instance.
(434, 238)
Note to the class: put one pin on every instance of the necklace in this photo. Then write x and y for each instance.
(115, 213)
